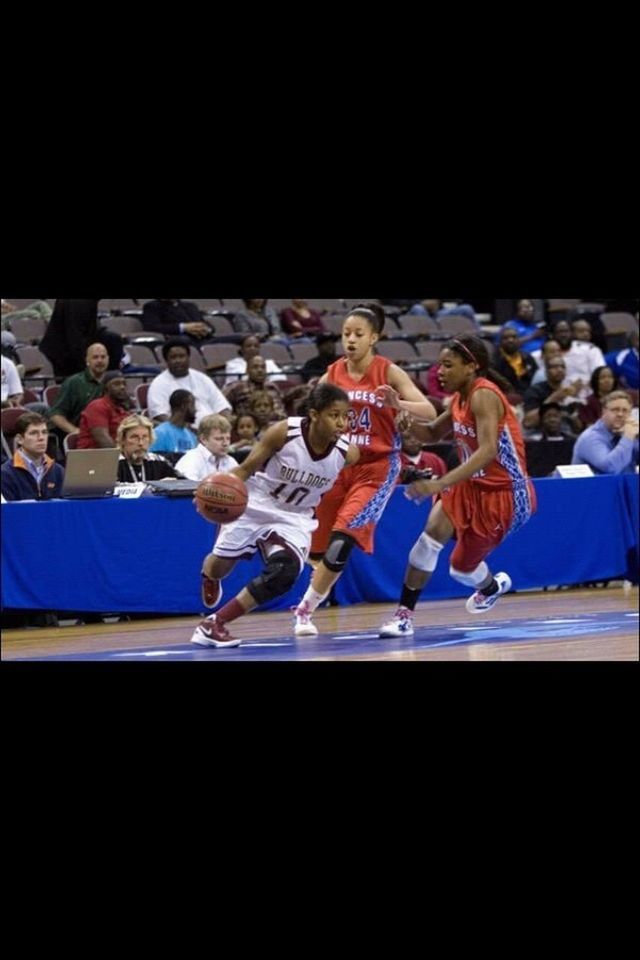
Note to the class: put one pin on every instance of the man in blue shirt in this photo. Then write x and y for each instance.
(531, 335)
(625, 363)
(177, 435)
(611, 444)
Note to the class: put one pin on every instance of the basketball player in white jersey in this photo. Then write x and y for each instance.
(287, 472)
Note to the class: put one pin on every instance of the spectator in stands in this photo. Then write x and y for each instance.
(246, 433)
(296, 398)
(239, 394)
(513, 363)
(8, 343)
(317, 366)
(591, 314)
(236, 369)
(553, 389)
(38, 310)
(262, 407)
(589, 329)
(260, 319)
(72, 328)
(611, 444)
(552, 445)
(211, 454)
(136, 463)
(550, 348)
(79, 390)
(603, 382)
(581, 330)
(100, 419)
(439, 397)
(31, 474)
(176, 435)
(552, 424)
(176, 318)
(581, 357)
(301, 321)
(626, 364)
(12, 392)
(413, 455)
(530, 333)
(180, 376)
(435, 310)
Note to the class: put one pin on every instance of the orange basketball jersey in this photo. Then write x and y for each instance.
(371, 425)
(510, 465)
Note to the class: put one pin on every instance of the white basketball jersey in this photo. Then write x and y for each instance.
(295, 478)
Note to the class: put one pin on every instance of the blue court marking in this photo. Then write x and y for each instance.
(330, 645)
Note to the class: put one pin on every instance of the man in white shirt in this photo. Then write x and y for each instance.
(12, 392)
(581, 357)
(236, 369)
(210, 456)
(180, 376)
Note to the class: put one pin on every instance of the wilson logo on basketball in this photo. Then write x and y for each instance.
(221, 496)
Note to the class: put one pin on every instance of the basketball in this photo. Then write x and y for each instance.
(221, 497)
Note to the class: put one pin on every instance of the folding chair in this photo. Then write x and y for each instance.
(28, 329)
(399, 351)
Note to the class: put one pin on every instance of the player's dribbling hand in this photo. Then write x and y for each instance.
(388, 396)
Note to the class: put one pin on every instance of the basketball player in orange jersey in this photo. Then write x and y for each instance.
(481, 501)
(287, 473)
(348, 514)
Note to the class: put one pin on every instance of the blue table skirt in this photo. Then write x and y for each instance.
(145, 555)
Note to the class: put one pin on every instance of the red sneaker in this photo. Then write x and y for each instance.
(210, 633)
(211, 591)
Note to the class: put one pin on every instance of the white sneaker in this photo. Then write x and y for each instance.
(478, 603)
(400, 626)
(210, 633)
(303, 625)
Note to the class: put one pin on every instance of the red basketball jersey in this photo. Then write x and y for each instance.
(510, 465)
(371, 425)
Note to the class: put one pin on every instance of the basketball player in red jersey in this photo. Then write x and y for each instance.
(481, 501)
(348, 513)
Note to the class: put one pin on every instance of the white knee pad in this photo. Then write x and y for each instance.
(424, 553)
(473, 579)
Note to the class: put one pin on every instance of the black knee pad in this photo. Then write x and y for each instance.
(337, 554)
(279, 575)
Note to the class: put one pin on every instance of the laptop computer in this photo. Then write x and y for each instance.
(90, 473)
(173, 488)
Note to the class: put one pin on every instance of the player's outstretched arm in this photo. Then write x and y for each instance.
(417, 406)
(407, 392)
(273, 440)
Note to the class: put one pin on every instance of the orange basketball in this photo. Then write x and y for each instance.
(221, 497)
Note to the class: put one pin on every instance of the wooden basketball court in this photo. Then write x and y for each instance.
(569, 625)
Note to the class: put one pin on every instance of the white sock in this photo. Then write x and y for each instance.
(313, 599)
